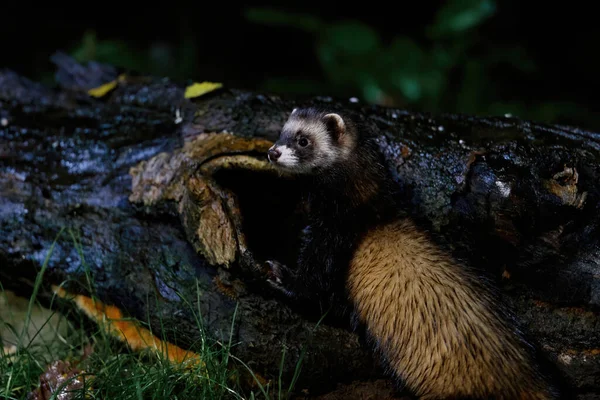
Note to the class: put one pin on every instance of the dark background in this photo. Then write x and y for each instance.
(536, 60)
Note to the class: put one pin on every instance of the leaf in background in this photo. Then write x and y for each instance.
(410, 86)
(86, 51)
(113, 52)
(468, 98)
(406, 54)
(433, 82)
(346, 51)
(272, 17)
(372, 92)
(101, 90)
(352, 37)
(335, 64)
(405, 59)
(199, 89)
(443, 57)
(458, 16)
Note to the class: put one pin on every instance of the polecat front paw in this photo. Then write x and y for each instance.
(276, 271)
(277, 276)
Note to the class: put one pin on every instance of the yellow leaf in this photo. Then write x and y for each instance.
(199, 89)
(102, 89)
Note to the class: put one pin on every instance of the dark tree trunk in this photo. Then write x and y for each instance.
(517, 199)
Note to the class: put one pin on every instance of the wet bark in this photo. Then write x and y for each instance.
(518, 200)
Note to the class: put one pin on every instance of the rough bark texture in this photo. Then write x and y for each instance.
(517, 199)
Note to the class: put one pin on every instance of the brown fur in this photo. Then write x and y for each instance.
(433, 325)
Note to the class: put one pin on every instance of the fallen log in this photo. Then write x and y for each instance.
(169, 199)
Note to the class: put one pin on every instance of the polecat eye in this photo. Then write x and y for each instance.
(303, 142)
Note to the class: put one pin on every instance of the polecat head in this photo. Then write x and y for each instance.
(312, 139)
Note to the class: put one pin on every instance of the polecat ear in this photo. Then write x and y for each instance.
(335, 125)
(294, 110)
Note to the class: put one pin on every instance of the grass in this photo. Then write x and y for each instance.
(111, 370)
(106, 368)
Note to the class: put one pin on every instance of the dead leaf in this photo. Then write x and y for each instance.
(199, 89)
(103, 89)
(61, 380)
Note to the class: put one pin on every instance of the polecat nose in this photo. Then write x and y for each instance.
(273, 154)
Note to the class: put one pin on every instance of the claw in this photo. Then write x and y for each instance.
(275, 270)
(275, 277)
(280, 288)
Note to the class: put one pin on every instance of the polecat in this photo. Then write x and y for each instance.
(439, 330)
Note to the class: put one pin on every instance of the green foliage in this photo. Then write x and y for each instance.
(356, 60)
(402, 71)
(459, 16)
(449, 66)
(158, 59)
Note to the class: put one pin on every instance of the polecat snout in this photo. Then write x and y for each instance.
(438, 329)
